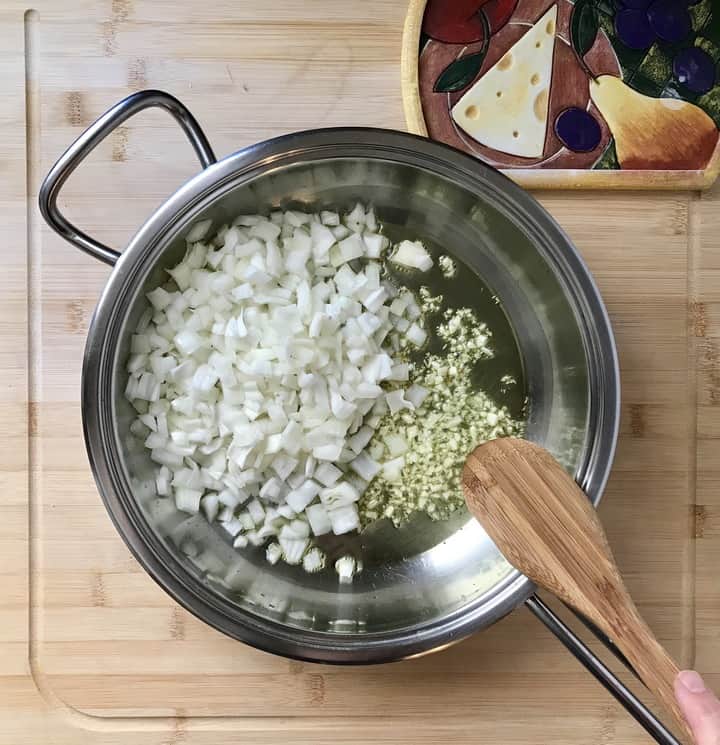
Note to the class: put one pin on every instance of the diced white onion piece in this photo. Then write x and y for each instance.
(328, 452)
(246, 521)
(256, 511)
(416, 335)
(301, 497)
(365, 467)
(265, 230)
(159, 298)
(374, 245)
(396, 444)
(351, 248)
(339, 495)
(322, 241)
(295, 529)
(293, 549)
(198, 231)
(400, 372)
(392, 469)
(232, 526)
(374, 301)
(318, 518)
(188, 342)
(286, 511)
(188, 500)
(314, 560)
(413, 311)
(231, 498)
(327, 474)
(329, 218)
(396, 401)
(273, 553)
(412, 254)
(284, 465)
(242, 292)
(340, 408)
(345, 568)
(416, 394)
(255, 538)
(399, 304)
(210, 506)
(344, 519)
(271, 488)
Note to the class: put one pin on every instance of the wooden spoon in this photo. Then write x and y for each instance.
(546, 527)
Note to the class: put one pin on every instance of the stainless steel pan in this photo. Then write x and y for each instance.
(432, 583)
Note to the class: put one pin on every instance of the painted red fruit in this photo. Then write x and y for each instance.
(458, 21)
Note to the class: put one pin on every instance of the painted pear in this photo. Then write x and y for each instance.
(654, 133)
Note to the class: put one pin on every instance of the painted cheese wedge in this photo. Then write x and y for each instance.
(507, 109)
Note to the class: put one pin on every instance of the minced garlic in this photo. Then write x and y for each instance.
(454, 418)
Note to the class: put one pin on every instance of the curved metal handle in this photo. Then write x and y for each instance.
(652, 725)
(89, 140)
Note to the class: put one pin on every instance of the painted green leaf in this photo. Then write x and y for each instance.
(461, 72)
(608, 160)
(584, 26)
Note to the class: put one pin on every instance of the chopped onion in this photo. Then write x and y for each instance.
(339, 495)
(327, 474)
(188, 500)
(412, 254)
(319, 519)
(396, 401)
(416, 335)
(210, 506)
(293, 549)
(314, 560)
(301, 497)
(259, 373)
(345, 568)
(273, 553)
(344, 519)
(416, 394)
(392, 469)
(198, 231)
(365, 467)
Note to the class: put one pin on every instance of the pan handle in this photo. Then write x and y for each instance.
(602, 673)
(89, 140)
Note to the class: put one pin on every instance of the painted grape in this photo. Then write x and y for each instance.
(578, 130)
(670, 20)
(633, 28)
(695, 69)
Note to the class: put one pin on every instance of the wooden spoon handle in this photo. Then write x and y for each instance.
(546, 527)
(651, 662)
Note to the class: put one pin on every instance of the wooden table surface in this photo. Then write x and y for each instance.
(91, 651)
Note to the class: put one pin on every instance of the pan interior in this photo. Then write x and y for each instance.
(425, 572)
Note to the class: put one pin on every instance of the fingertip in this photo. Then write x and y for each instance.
(699, 706)
(691, 681)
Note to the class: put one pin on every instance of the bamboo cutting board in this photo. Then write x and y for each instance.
(90, 649)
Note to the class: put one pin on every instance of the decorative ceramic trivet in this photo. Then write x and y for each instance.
(592, 93)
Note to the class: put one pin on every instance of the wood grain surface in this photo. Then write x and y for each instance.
(546, 527)
(91, 651)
